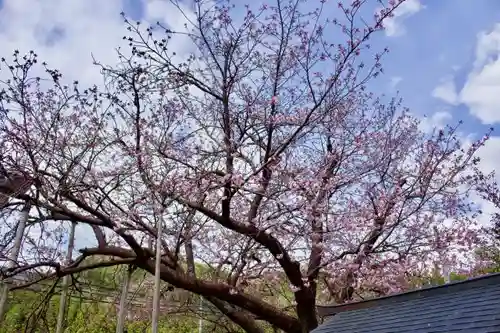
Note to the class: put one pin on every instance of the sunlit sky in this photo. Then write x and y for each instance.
(443, 56)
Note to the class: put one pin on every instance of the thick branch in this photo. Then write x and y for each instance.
(207, 289)
(291, 268)
(237, 316)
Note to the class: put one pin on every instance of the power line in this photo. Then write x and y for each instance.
(103, 294)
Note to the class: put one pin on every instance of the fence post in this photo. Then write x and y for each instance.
(65, 285)
(200, 321)
(123, 300)
(12, 258)
(150, 291)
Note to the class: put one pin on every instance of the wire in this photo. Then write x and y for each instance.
(103, 294)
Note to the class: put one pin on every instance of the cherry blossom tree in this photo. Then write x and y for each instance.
(261, 151)
(486, 187)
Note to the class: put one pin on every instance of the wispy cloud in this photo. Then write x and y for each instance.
(394, 26)
(446, 91)
(480, 92)
(394, 81)
(436, 121)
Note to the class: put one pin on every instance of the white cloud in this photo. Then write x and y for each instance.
(64, 33)
(437, 120)
(481, 91)
(446, 91)
(394, 26)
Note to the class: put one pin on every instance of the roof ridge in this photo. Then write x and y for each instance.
(484, 280)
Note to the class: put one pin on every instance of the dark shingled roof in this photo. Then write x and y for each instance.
(471, 306)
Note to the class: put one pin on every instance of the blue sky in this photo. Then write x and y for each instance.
(443, 53)
(439, 44)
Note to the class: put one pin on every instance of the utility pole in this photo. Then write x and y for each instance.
(156, 296)
(12, 258)
(63, 307)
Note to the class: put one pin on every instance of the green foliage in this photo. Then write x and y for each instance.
(490, 255)
(89, 317)
(35, 312)
(488, 259)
